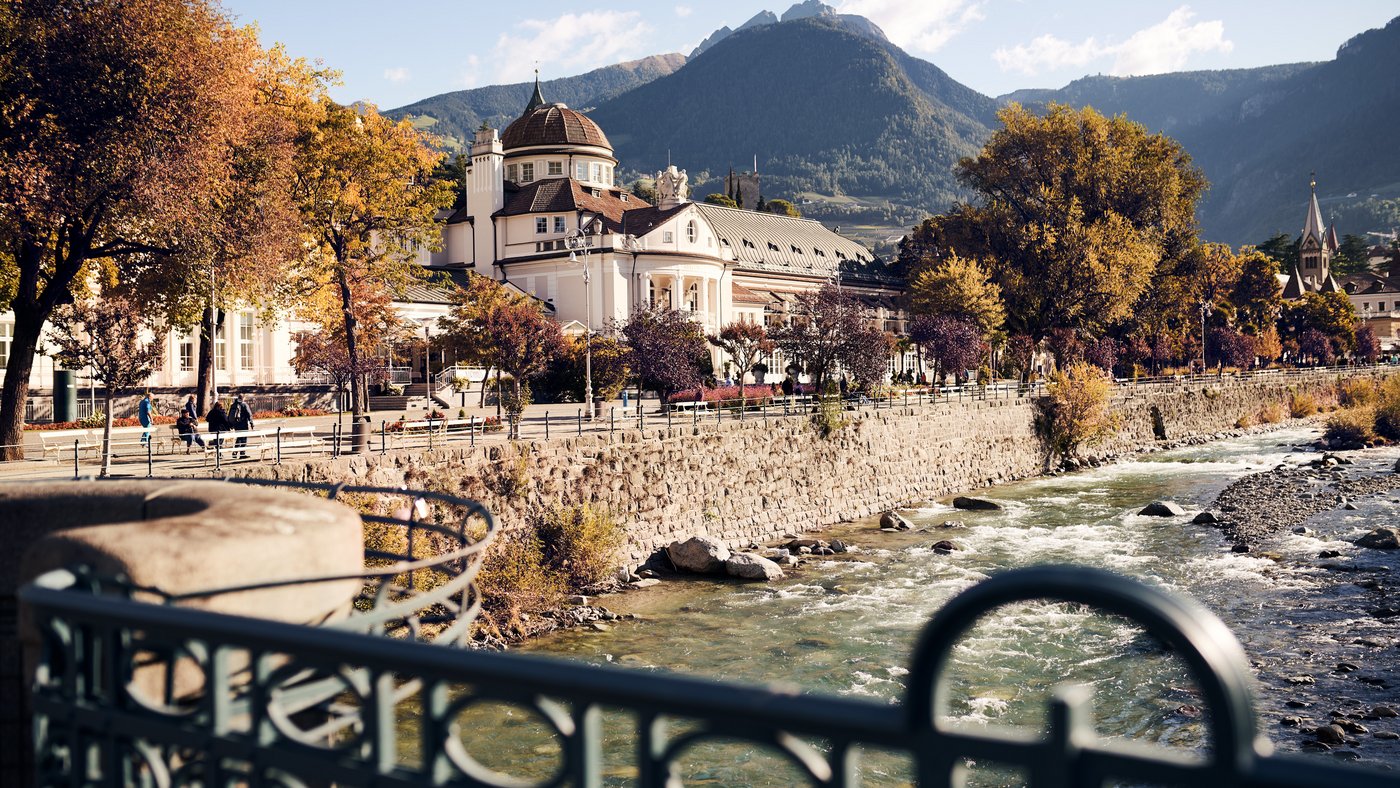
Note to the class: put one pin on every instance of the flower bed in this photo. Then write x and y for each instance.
(95, 423)
(755, 394)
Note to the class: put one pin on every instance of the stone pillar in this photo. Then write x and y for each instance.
(179, 537)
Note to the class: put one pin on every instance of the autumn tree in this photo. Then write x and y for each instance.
(367, 197)
(1330, 315)
(744, 343)
(1074, 211)
(957, 287)
(1231, 348)
(828, 329)
(525, 341)
(464, 328)
(1368, 346)
(1076, 407)
(115, 337)
(953, 344)
(115, 122)
(1257, 295)
(665, 349)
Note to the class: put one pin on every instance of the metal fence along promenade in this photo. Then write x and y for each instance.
(371, 701)
(78, 455)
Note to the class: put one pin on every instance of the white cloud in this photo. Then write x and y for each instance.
(923, 26)
(396, 74)
(1165, 46)
(683, 11)
(469, 74)
(569, 44)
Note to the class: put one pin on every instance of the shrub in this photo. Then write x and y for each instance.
(515, 580)
(830, 416)
(1271, 413)
(581, 543)
(1351, 426)
(1301, 404)
(1387, 420)
(1244, 422)
(754, 394)
(1076, 408)
(1355, 392)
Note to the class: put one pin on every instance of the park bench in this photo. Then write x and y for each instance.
(60, 441)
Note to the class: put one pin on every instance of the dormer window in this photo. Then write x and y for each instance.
(527, 172)
(581, 171)
(795, 250)
(512, 172)
(819, 252)
(749, 244)
(556, 168)
(772, 247)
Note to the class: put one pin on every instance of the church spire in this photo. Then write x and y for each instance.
(1314, 226)
(537, 100)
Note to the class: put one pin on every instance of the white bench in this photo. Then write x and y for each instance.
(60, 441)
(690, 405)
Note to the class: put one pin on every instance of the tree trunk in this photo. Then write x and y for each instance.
(359, 433)
(205, 391)
(486, 378)
(106, 432)
(23, 345)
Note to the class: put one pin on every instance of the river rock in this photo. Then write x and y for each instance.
(748, 566)
(1390, 735)
(699, 554)
(976, 504)
(1380, 538)
(646, 582)
(945, 546)
(1205, 518)
(895, 521)
(1162, 509)
(1384, 712)
(1330, 734)
(838, 546)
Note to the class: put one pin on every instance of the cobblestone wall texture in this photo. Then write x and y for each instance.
(743, 482)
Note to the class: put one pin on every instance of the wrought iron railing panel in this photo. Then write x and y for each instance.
(273, 703)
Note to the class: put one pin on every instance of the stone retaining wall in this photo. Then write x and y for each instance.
(744, 482)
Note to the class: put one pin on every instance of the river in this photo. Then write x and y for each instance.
(846, 625)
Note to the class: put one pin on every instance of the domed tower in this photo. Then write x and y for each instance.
(553, 141)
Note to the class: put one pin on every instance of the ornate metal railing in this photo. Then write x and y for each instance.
(273, 703)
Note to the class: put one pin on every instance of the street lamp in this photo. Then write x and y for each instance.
(580, 240)
(1206, 309)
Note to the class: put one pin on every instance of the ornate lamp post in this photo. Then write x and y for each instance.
(580, 240)
(1206, 309)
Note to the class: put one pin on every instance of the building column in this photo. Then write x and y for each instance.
(705, 302)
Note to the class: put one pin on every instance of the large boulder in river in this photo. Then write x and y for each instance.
(1162, 509)
(1205, 518)
(896, 521)
(698, 554)
(748, 566)
(976, 504)
(1380, 539)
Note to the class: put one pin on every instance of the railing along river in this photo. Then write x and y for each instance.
(282, 704)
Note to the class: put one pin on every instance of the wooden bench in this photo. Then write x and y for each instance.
(60, 441)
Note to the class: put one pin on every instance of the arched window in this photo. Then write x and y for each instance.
(690, 231)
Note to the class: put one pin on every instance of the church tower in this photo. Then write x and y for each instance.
(1315, 249)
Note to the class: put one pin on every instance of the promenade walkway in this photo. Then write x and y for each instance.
(287, 440)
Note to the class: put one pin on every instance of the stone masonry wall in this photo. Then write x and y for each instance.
(743, 482)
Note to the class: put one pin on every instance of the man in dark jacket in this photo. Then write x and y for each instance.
(217, 420)
(240, 418)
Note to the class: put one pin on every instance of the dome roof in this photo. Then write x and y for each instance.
(553, 124)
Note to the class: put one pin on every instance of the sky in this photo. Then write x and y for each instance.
(394, 54)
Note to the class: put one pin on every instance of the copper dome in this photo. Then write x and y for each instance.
(553, 124)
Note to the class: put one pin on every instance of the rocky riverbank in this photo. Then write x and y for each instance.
(1347, 624)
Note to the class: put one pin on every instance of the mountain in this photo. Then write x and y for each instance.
(804, 10)
(454, 116)
(1258, 133)
(824, 109)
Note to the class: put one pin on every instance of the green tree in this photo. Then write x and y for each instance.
(1257, 295)
(115, 125)
(368, 200)
(957, 287)
(1329, 314)
(1074, 210)
(1282, 249)
(1351, 256)
(782, 208)
(721, 199)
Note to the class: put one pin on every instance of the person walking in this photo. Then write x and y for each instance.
(145, 413)
(217, 420)
(240, 419)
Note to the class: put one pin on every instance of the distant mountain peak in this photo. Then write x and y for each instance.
(803, 10)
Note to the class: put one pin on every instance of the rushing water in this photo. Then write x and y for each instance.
(847, 625)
